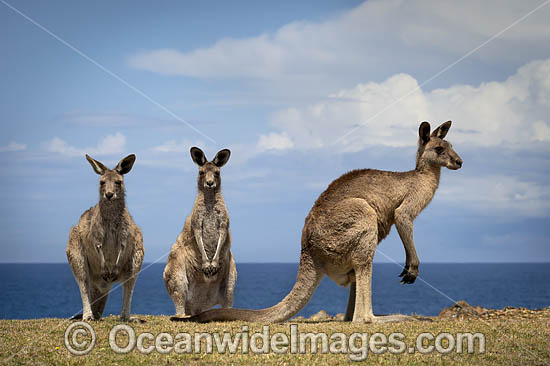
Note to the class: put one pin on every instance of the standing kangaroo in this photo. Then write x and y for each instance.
(106, 245)
(346, 224)
(200, 272)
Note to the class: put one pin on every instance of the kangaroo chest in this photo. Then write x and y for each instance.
(210, 230)
(109, 249)
(113, 244)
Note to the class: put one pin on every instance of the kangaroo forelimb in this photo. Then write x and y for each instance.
(404, 225)
(200, 243)
(221, 239)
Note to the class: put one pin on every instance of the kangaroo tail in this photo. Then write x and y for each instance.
(309, 276)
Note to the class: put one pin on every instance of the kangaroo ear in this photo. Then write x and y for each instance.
(98, 167)
(442, 130)
(126, 164)
(198, 156)
(221, 157)
(424, 132)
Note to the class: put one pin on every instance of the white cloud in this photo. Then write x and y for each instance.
(375, 36)
(110, 144)
(12, 147)
(500, 195)
(514, 112)
(274, 141)
(456, 26)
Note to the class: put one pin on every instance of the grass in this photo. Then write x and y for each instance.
(509, 341)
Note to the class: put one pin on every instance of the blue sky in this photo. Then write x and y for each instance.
(281, 84)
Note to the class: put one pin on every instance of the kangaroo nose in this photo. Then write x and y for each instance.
(459, 162)
(109, 195)
(210, 183)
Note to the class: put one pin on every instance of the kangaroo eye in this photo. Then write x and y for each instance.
(439, 150)
(102, 182)
(217, 174)
(118, 182)
(201, 173)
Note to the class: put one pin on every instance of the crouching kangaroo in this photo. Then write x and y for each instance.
(200, 272)
(346, 224)
(106, 246)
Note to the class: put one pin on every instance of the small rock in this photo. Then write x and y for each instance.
(461, 310)
(321, 315)
(339, 317)
(479, 309)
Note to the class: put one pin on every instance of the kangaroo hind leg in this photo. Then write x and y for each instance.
(98, 299)
(177, 286)
(227, 289)
(362, 261)
(351, 303)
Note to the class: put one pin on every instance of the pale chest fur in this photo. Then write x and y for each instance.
(114, 243)
(211, 220)
(108, 239)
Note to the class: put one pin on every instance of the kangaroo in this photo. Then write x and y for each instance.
(200, 271)
(347, 222)
(106, 246)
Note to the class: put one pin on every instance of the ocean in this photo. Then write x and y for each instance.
(49, 290)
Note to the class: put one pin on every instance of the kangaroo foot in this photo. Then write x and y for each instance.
(179, 318)
(88, 317)
(135, 320)
(394, 318)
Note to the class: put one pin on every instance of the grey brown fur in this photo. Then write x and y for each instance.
(200, 272)
(347, 222)
(106, 246)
